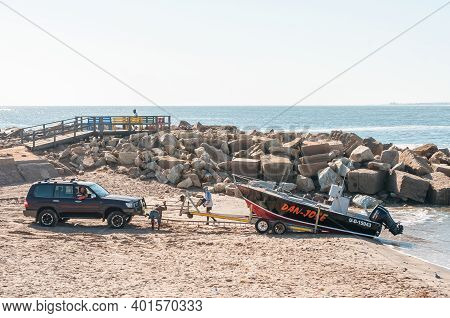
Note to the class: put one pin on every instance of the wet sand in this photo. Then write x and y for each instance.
(84, 258)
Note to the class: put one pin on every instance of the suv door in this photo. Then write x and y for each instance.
(83, 208)
(64, 195)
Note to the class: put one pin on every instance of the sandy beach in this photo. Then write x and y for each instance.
(84, 258)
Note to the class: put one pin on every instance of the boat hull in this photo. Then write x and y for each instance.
(274, 206)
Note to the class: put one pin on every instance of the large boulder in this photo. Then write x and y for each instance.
(161, 175)
(361, 154)
(287, 186)
(324, 157)
(240, 144)
(245, 167)
(375, 147)
(174, 174)
(216, 155)
(305, 184)
(327, 177)
(336, 146)
(186, 183)
(147, 142)
(390, 156)
(366, 181)
(167, 162)
(408, 186)
(284, 151)
(169, 141)
(381, 166)
(445, 169)
(37, 171)
(295, 143)
(440, 157)
(266, 143)
(127, 158)
(341, 166)
(190, 144)
(184, 125)
(439, 191)
(79, 150)
(110, 158)
(314, 148)
(276, 168)
(415, 164)
(311, 169)
(365, 201)
(195, 180)
(426, 150)
(8, 172)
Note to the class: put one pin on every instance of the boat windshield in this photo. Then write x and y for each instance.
(99, 190)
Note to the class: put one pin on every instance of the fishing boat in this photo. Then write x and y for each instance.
(276, 211)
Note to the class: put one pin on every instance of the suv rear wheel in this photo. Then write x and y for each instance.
(117, 220)
(47, 217)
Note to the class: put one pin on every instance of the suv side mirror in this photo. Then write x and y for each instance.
(93, 196)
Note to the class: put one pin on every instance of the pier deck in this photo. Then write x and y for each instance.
(72, 130)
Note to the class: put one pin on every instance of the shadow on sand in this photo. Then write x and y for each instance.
(101, 229)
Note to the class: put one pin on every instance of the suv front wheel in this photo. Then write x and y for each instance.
(47, 217)
(117, 220)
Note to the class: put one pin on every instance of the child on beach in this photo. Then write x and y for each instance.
(156, 214)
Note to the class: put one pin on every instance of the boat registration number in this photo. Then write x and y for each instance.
(360, 222)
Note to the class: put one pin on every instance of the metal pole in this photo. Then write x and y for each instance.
(317, 219)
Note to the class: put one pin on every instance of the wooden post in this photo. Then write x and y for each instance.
(43, 130)
(169, 122)
(81, 126)
(62, 127)
(21, 136)
(54, 138)
(94, 128)
(129, 123)
(102, 125)
(75, 127)
(34, 139)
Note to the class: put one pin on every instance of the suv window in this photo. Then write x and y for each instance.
(64, 191)
(43, 191)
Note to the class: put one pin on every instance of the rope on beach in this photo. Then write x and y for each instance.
(203, 222)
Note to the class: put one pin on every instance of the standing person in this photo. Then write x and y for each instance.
(156, 214)
(208, 203)
(135, 113)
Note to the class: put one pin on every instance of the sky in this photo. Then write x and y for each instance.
(209, 52)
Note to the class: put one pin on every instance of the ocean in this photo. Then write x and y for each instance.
(401, 125)
(427, 229)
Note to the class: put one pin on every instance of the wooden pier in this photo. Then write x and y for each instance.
(72, 130)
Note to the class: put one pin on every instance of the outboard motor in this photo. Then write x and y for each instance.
(381, 215)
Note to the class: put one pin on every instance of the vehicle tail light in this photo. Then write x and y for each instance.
(25, 203)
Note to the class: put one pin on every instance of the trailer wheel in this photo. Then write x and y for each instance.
(262, 226)
(279, 228)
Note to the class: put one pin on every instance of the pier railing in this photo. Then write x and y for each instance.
(99, 125)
